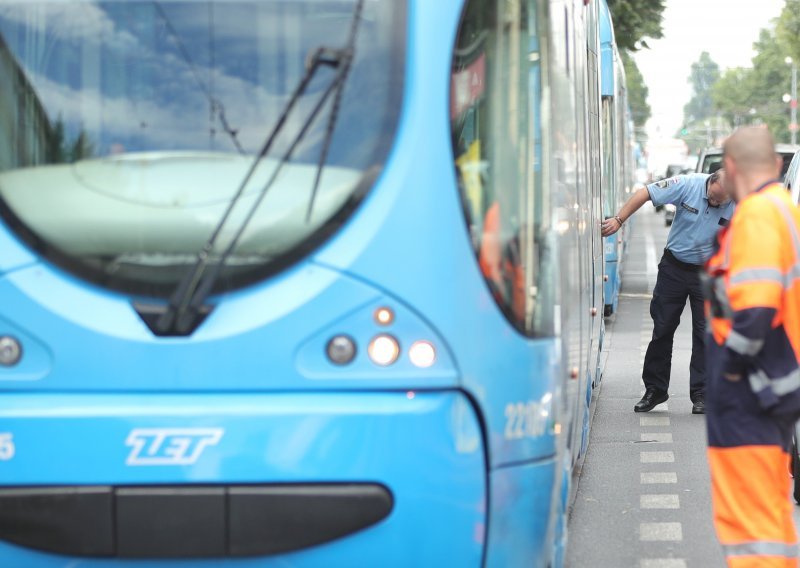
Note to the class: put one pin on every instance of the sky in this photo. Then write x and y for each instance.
(724, 28)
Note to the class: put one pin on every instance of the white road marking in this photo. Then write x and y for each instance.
(668, 532)
(656, 457)
(664, 437)
(662, 563)
(659, 502)
(653, 477)
(654, 421)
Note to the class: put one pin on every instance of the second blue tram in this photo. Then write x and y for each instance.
(618, 171)
(297, 282)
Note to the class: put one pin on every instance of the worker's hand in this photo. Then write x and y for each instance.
(732, 378)
(609, 227)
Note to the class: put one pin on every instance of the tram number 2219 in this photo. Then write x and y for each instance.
(525, 420)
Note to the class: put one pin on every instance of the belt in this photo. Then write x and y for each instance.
(680, 264)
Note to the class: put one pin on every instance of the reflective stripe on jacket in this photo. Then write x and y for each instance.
(753, 291)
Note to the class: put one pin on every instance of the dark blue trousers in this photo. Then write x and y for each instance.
(676, 281)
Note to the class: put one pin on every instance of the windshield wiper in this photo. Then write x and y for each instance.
(326, 142)
(186, 306)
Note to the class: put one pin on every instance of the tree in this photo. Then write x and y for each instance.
(635, 20)
(55, 142)
(704, 73)
(60, 150)
(772, 79)
(733, 94)
(81, 148)
(755, 96)
(788, 29)
(637, 90)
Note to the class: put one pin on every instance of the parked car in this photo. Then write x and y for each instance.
(710, 159)
(674, 170)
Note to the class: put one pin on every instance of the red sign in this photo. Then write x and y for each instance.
(467, 85)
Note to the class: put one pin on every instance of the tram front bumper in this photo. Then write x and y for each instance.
(335, 476)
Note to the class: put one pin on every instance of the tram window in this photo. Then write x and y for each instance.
(149, 116)
(610, 189)
(497, 143)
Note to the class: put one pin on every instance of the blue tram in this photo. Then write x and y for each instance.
(296, 282)
(618, 161)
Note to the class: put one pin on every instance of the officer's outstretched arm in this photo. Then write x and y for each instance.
(613, 224)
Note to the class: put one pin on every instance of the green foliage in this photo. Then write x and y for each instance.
(788, 29)
(60, 150)
(637, 90)
(733, 94)
(81, 148)
(55, 142)
(699, 130)
(755, 96)
(704, 74)
(635, 20)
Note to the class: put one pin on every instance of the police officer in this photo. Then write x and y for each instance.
(702, 207)
(753, 353)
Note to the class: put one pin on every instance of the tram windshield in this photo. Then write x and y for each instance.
(127, 128)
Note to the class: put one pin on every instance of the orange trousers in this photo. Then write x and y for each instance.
(750, 487)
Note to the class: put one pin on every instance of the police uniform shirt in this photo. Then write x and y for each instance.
(691, 238)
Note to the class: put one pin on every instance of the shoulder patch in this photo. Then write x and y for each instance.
(665, 183)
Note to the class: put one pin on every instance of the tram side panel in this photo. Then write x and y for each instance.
(612, 163)
(519, 369)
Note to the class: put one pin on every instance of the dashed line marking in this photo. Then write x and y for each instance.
(662, 563)
(664, 437)
(669, 501)
(656, 457)
(660, 532)
(654, 477)
(654, 421)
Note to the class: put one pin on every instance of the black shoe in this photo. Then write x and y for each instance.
(699, 405)
(652, 398)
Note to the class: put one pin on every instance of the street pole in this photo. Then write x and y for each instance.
(793, 104)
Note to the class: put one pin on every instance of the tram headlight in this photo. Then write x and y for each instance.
(384, 316)
(383, 350)
(10, 351)
(422, 354)
(341, 349)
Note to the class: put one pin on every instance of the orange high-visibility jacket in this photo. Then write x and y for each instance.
(754, 297)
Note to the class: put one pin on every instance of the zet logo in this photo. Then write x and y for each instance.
(170, 446)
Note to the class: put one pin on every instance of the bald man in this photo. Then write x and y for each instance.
(753, 387)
